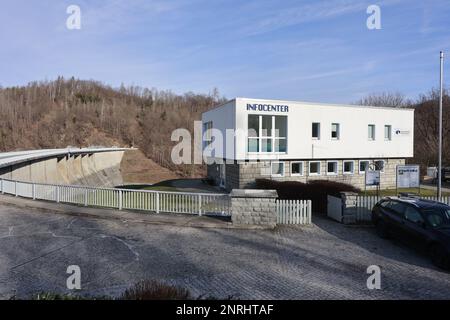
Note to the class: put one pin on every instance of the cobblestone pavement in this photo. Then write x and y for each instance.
(324, 261)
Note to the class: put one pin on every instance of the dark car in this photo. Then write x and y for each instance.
(419, 223)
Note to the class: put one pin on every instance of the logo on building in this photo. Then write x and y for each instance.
(267, 107)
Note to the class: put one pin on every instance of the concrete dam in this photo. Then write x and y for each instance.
(97, 167)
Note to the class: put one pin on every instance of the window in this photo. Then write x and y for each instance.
(379, 165)
(397, 208)
(332, 167)
(413, 215)
(253, 133)
(277, 169)
(349, 167)
(296, 168)
(335, 131)
(387, 132)
(314, 168)
(371, 132)
(207, 134)
(316, 130)
(363, 166)
(267, 133)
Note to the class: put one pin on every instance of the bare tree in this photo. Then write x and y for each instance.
(384, 99)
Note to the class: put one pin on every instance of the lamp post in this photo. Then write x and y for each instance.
(441, 83)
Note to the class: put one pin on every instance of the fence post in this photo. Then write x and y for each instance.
(157, 202)
(309, 211)
(57, 193)
(3, 191)
(120, 199)
(33, 191)
(199, 199)
(85, 197)
(15, 188)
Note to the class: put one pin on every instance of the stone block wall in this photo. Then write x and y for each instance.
(243, 174)
(254, 208)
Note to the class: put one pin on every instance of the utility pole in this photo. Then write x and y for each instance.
(439, 186)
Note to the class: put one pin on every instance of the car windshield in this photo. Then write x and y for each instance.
(438, 217)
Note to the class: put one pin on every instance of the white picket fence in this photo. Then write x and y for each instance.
(365, 204)
(145, 200)
(294, 211)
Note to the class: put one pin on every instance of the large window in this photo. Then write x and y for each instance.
(267, 133)
(335, 128)
(371, 132)
(387, 132)
(315, 130)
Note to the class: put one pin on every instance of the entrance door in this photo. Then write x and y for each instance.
(222, 175)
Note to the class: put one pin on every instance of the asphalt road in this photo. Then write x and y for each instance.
(325, 261)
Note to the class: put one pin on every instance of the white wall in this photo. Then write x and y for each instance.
(353, 120)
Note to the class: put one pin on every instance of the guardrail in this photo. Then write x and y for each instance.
(144, 200)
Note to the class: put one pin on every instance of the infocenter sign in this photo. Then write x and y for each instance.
(408, 176)
(267, 107)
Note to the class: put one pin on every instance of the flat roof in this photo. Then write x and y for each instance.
(319, 104)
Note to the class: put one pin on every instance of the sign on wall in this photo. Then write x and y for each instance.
(408, 176)
(372, 177)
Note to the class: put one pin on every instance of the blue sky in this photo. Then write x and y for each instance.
(302, 50)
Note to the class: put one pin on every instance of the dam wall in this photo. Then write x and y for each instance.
(88, 167)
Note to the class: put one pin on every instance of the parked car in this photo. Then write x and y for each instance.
(418, 223)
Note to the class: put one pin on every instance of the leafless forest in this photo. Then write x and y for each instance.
(70, 112)
(73, 112)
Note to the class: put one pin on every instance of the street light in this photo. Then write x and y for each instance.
(439, 187)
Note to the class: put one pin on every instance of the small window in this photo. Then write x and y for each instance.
(379, 165)
(332, 167)
(296, 168)
(349, 167)
(387, 132)
(314, 168)
(316, 130)
(371, 132)
(335, 131)
(363, 166)
(277, 169)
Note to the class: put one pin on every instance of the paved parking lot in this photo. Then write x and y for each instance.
(325, 261)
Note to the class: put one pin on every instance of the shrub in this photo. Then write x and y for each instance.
(315, 190)
(154, 290)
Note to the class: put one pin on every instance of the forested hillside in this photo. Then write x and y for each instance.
(81, 113)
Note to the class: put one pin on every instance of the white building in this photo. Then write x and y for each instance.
(291, 140)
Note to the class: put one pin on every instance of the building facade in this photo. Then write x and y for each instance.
(246, 139)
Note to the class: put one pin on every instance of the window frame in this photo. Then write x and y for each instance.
(318, 130)
(374, 132)
(309, 168)
(273, 138)
(359, 166)
(278, 174)
(338, 131)
(334, 173)
(384, 165)
(389, 138)
(301, 171)
(348, 172)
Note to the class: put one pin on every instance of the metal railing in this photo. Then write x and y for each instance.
(143, 200)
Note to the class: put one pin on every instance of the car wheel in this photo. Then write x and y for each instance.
(382, 230)
(439, 256)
